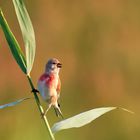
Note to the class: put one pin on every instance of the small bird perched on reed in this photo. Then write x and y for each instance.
(49, 85)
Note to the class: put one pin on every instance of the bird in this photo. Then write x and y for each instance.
(49, 85)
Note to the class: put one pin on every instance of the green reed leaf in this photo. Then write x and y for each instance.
(83, 118)
(27, 32)
(12, 42)
(13, 103)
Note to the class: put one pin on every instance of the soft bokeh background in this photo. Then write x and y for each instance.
(98, 43)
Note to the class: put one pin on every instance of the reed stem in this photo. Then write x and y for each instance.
(41, 109)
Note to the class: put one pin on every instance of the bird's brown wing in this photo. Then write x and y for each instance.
(58, 87)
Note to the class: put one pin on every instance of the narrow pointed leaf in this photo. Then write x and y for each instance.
(13, 44)
(13, 103)
(27, 32)
(81, 119)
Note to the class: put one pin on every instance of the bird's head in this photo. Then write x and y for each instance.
(53, 66)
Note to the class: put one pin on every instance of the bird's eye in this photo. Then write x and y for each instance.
(54, 63)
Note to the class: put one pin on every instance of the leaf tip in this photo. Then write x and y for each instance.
(127, 110)
(0, 11)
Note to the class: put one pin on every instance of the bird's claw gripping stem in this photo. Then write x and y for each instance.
(35, 90)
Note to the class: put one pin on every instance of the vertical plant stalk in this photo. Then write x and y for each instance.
(41, 109)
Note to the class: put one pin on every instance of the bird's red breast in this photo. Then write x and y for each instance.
(43, 77)
(50, 80)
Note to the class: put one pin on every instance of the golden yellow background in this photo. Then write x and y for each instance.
(98, 43)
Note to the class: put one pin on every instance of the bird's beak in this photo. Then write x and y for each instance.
(59, 65)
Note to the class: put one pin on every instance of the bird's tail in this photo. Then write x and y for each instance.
(58, 112)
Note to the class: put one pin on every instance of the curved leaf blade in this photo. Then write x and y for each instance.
(27, 32)
(84, 118)
(81, 119)
(13, 44)
(13, 103)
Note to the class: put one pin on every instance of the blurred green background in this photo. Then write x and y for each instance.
(98, 43)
